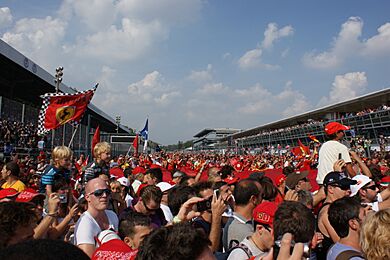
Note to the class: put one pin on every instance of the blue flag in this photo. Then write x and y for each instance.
(145, 132)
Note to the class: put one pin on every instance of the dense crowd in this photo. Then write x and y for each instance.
(332, 203)
(17, 134)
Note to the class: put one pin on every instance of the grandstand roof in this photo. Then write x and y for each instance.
(218, 130)
(371, 100)
(23, 80)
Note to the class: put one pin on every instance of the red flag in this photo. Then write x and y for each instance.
(305, 150)
(313, 138)
(96, 138)
(135, 144)
(61, 108)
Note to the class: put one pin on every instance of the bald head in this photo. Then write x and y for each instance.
(94, 184)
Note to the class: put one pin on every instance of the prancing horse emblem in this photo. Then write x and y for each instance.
(64, 114)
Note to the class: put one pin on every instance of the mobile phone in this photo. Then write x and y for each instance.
(340, 156)
(217, 192)
(203, 205)
(63, 198)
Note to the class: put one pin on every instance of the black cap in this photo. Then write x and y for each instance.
(338, 178)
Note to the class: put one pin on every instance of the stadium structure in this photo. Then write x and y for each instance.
(367, 115)
(22, 82)
(209, 137)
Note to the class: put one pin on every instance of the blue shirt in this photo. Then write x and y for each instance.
(48, 177)
(337, 248)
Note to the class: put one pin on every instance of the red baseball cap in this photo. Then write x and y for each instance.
(138, 169)
(334, 127)
(8, 193)
(230, 180)
(264, 213)
(28, 195)
(385, 181)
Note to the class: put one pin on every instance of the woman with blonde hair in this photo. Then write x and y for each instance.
(375, 235)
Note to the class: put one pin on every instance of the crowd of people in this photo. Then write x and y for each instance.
(330, 204)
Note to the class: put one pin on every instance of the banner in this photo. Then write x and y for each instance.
(61, 108)
(95, 139)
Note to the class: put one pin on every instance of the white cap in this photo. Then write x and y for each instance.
(124, 181)
(164, 186)
(361, 181)
(107, 235)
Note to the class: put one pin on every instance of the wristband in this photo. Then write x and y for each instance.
(54, 215)
(176, 220)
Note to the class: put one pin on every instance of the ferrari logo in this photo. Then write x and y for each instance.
(64, 114)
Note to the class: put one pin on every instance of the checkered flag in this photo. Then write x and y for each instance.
(61, 108)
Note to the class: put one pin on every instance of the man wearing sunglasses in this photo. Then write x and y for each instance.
(367, 192)
(97, 218)
(261, 241)
(336, 186)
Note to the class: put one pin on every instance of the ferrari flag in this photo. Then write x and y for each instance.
(61, 108)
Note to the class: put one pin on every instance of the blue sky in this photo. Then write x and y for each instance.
(194, 64)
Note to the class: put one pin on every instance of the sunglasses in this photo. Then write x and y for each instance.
(372, 187)
(266, 226)
(341, 187)
(100, 192)
(149, 209)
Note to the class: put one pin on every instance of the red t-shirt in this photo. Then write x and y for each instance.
(114, 249)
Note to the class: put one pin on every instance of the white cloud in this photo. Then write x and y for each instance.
(152, 89)
(213, 89)
(344, 87)
(172, 12)
(379, 44)
(128, 42)
(96, 15)
(5, 17)
(272, 33)
(39, 38)
(250, 59)
(347, 44)
(203, 75)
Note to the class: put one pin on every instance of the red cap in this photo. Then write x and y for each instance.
(264, 213)
(230, 180)
(385, 181)
(8, 193)
(28, 195)
(334, 127)
(138, 169)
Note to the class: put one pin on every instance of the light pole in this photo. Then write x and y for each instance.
(57, 81)
(117, 121)
(58, 78)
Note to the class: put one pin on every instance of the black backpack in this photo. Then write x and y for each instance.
(225, 255)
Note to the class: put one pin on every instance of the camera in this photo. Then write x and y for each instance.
(63, 198)
(306, 248)
(204, 205)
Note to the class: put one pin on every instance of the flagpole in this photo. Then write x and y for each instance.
(57, 80)
(73, 134)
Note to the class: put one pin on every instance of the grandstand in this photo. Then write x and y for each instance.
(22, 82)
(368, 116)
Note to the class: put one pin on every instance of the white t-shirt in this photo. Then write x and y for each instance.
(328, 155)
(128, 200)
(167, 213)
(87, 229)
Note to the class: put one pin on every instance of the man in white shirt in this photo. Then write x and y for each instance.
(97, 218)
(165, 187)
(333, 150)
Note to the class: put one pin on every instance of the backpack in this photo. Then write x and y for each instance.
(225, 255)
(348, 254)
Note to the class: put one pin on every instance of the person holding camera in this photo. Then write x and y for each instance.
(211, 210)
